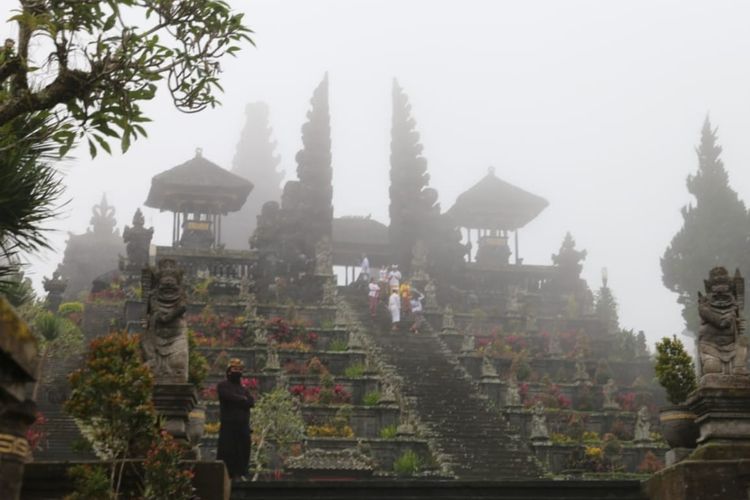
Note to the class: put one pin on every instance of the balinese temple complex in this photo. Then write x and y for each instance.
(518, 371)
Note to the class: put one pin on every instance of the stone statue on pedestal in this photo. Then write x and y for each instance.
(609, 391)
(449, 324)
(488, 369)
(581, 375)
(323, 257)
(467, 344)
(539, 431)
(165, 344)
(137, 242)
(272, 360)
(430, 296)
(419, 261)
(722, 345)
(512, 394)
(642, 426)
(55, 287)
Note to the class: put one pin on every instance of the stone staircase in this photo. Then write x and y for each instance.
(475, 440)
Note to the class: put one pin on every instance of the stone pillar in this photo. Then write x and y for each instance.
(18, 352)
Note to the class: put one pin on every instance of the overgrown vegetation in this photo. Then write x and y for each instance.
(674, 369)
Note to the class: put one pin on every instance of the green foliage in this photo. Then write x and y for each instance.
(674, 369)
(165, 477)
(67, 308)
(177, 43)
(15, 286)
(29, 189)
(371, 398)
(197, 363)
(110, 398)
(714, 230)
(338, 345)
(276, 419)
(389, 432)
(355, 370)
(407, 464)
(90, 482)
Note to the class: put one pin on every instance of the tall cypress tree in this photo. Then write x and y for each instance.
(414, 208)
(255, 160)
(314, 169)
(714, 232)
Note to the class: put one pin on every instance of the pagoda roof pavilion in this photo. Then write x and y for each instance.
(493, 203)
(198, 186)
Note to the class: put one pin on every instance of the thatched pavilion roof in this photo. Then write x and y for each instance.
(493, 203)
(199, 186)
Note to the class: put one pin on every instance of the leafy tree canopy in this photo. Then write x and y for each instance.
(90, 64)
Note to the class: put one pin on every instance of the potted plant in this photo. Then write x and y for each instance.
(674, 371)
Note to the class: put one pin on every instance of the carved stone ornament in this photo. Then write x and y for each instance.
(539, 431)
(722, 345)
(449, 323)
(165, 344)
(608, 391)
(642, 426)
(512, 393)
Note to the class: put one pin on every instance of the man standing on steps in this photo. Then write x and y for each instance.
(394, 307)
(374, 295)
(234, 416)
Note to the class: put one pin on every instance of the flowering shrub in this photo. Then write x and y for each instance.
(283, 331)
(627, 401)
(590, 437)
(330, 430)
(315, 394)
(621, 430)
(211, 428)
(560, 438)
(251, 384)
(295, 345)
(210, 393)
(315, 366)
(164, 476)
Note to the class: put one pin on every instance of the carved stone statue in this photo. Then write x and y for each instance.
(554, 349)
(419, 261)
(722, 345)
(488, 369)
(642, 426)
(355, 341)
(329, 292)
(387, 394)
(467, 344)
(608, 391)
(449, 324)
(55, 287)
(581, 375)
(512, 393)
(513, 305)
(165, 344)
(430, 296)
(539, 431)
(272, 360)
(137, 242)
(323, 257)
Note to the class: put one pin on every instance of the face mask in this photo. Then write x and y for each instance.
(234, 376)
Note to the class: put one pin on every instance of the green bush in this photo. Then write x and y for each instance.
(371, 398)
(388, 432)
(70, 308)
(674, 369)
(338, 345)
(197, 363)
(90, 482)
(407, 464)
(354, 371)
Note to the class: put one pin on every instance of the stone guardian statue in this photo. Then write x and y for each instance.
(165, 343)
(722, 345)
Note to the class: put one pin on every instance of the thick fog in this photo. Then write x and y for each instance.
(596, 106)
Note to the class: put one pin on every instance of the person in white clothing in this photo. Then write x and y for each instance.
(364, 269)
(374, 296)
(416, 310)
(394, 278)
(394, 306)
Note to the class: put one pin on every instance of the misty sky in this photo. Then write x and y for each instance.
(595, 105)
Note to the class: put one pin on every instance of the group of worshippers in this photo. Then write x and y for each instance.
(402, 299)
